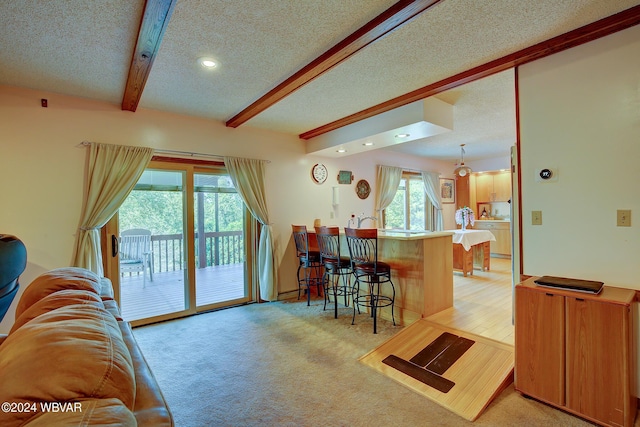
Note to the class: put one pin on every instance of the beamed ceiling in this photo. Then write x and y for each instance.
(302, 67)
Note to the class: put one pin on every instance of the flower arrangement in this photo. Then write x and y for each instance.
(465, 216)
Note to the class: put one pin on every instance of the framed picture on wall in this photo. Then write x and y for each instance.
(447, 190)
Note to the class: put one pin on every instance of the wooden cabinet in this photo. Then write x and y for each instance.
(462, 191)
(502, 186)
(539, 322)
(502, 231)
(575, 351)
(493, 187)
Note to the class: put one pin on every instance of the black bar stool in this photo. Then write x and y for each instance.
(363, 250)
(308, 260)
(337, 269)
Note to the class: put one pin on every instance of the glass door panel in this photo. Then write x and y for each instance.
(219, 218)
(153, 270)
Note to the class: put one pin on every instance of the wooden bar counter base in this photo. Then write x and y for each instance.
(576, 351)
(421, 270)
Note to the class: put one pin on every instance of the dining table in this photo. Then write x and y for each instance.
(471, 247)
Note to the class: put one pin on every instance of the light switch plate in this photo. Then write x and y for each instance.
(624, 218)
(536, 217)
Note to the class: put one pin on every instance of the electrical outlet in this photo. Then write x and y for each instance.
(624, 218)
(536, 217)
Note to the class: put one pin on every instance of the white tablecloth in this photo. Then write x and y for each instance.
(468, 238)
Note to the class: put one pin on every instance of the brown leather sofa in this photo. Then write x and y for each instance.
(70, 359)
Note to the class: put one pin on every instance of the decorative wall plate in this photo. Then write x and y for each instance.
(363, 189)
(345, 177)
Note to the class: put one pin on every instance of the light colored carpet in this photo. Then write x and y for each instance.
(286, 364)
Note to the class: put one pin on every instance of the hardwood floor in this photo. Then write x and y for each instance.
(482, 303)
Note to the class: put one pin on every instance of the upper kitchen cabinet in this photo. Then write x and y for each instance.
(493, 187)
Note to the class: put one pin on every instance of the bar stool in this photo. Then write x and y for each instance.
(308, 260)
(363, 251)
(337, 269)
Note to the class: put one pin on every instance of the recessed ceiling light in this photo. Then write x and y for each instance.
(402, 135)
(368, 144)
(341, 150)
(207, 62)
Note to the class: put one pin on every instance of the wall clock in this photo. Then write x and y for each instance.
(319, 173)
(363, 189)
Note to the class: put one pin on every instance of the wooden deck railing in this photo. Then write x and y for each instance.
(220, 248)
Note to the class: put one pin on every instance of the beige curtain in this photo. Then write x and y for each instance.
(431, 181)
(248, 179)
(387, 183)
(112, 172)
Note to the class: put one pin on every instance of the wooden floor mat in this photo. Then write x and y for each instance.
(458, 370)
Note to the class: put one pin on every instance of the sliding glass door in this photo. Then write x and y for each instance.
(181, 237)
(219, 219)
(153, 271)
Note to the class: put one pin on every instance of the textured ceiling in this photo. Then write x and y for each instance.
(84, 48)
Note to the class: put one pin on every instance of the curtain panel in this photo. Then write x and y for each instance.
(387, 182)
(248, 178)
(431, 182)
(112, 172)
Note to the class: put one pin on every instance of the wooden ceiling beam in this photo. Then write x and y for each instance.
(614, 23)
(389, 20)
(153, 24)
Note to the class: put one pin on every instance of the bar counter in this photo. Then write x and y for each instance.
(421, 270)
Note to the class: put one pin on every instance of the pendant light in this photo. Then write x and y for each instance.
(462, 170)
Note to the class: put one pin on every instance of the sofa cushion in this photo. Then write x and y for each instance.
(57, 280)
(106, 288)
(112, 307)
(99, 412)
(73, 352)
(56, 300)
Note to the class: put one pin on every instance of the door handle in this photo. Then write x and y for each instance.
(114, 246)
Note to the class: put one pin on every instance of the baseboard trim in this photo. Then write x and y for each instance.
(288, 295)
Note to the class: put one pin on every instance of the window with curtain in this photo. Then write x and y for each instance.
(410, 208)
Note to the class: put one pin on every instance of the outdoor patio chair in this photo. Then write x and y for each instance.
(136, 254)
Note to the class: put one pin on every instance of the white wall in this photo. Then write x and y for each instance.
(42, 171)
(580, 113)
(494, 164)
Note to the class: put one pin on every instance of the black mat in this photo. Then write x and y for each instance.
(432, 361)
(419, 373)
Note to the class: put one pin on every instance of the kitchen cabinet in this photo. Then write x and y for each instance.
(575, 351)
(502, 232)
(493, 187)
(462, 191)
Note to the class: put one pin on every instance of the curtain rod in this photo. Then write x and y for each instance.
(175, 152)
(413, 170)
(188, 153)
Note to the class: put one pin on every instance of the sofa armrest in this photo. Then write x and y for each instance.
(106, 288)
(150, 407)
